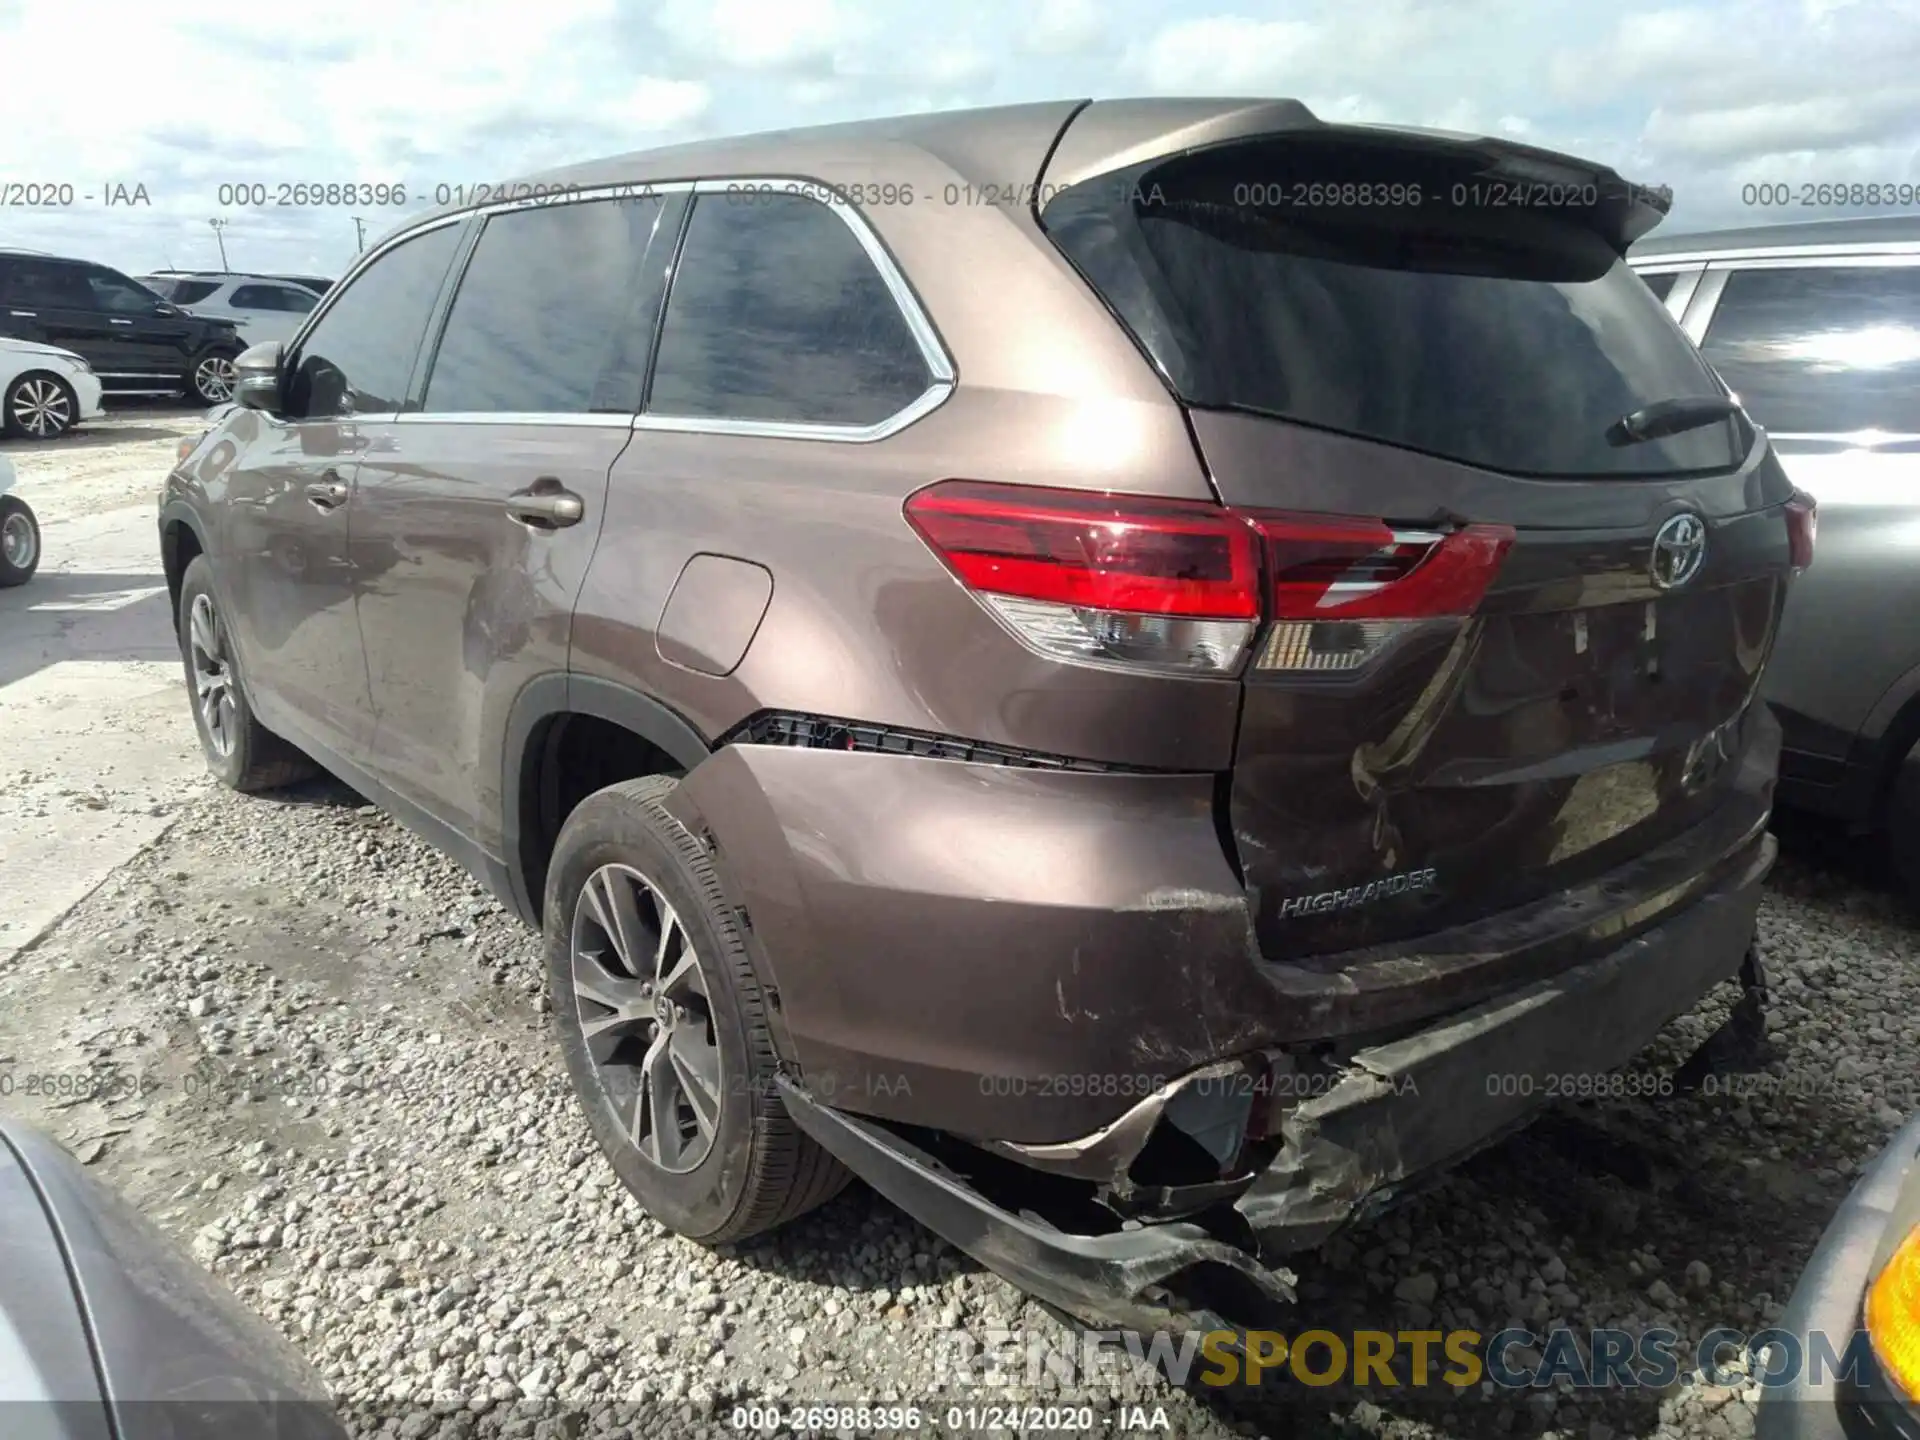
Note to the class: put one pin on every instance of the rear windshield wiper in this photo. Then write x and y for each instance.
(1669, 417)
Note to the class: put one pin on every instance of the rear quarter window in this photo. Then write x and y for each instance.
(777, 314)
(1383, 295)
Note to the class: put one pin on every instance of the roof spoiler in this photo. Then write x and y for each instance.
(1109, 136)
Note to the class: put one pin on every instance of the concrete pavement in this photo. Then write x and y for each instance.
(97, 750)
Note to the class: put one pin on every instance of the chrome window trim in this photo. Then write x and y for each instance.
(1852, 439)
(922, 405)
(1908, 248)
(1849, 261)
(1682, 291)
(1705, 300)
(620, 420)
(932, 350)
(1686, 279)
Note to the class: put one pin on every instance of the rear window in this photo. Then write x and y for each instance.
(1396, 294)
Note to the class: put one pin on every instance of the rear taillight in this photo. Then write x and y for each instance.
(1803, 521)
(1342, 590)
(1182, 585)
(1165, 583)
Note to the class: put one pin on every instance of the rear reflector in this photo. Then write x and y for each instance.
(1178, 585)
(1803, 523)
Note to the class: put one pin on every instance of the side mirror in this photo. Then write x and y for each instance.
(164, 309)
(256, 376)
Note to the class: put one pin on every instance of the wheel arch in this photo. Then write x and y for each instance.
(181, 540)
(533, 805)
(1890, 733)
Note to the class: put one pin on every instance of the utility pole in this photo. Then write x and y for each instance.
(219, 227)
(359, 234)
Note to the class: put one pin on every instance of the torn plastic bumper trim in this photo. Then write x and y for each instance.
(1427, 1100)
(1105, 1155)
(1112, 1279)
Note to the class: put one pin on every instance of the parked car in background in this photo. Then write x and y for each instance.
(1863, 1280)
(1096, 853)
(317, 283)
(260, 306)
(136, 342)
(44, 391)
(19, 532)
(1816, 327)
(107, 1330)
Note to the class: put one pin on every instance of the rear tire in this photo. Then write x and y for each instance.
(19, 541)
(241, 752)
(741, 1168)
(210, 378)
(1903, 826)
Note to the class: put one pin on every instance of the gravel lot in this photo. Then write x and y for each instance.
(347, 1105)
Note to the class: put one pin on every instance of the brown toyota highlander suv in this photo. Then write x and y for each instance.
(1138, 674)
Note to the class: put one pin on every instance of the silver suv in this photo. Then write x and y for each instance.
(262, 307)
(1816, 327)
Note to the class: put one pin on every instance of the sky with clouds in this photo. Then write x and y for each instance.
(1706, 97)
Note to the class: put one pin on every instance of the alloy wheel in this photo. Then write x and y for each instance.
(646, 1018)
(18, 543)
(213, 378)
(41, 407)
(212, 673)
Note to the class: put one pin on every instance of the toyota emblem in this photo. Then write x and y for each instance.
(1679, 546)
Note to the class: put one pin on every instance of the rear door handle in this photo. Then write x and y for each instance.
(26, 314)
(546, 506)
(119, 322)
(326, 494)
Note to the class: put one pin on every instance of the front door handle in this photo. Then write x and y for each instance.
(119, 322)
(325, 494)
(547, 505)
(25, 314)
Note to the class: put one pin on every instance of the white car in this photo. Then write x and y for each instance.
(44, 391)
(264, 307)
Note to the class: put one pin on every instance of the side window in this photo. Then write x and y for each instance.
(550, 315)
(271, 297)
(1821, 349)
(359, 356)
(1661, 285)
(188, 292)
(119, 295)
(777, 313)
(52, 284)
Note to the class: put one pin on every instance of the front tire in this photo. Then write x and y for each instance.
(241, 752)
(211, 378)
(38, 407)
(19, 541)
(663, 1025)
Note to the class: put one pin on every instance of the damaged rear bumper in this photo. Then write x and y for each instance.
(1398, 1112)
